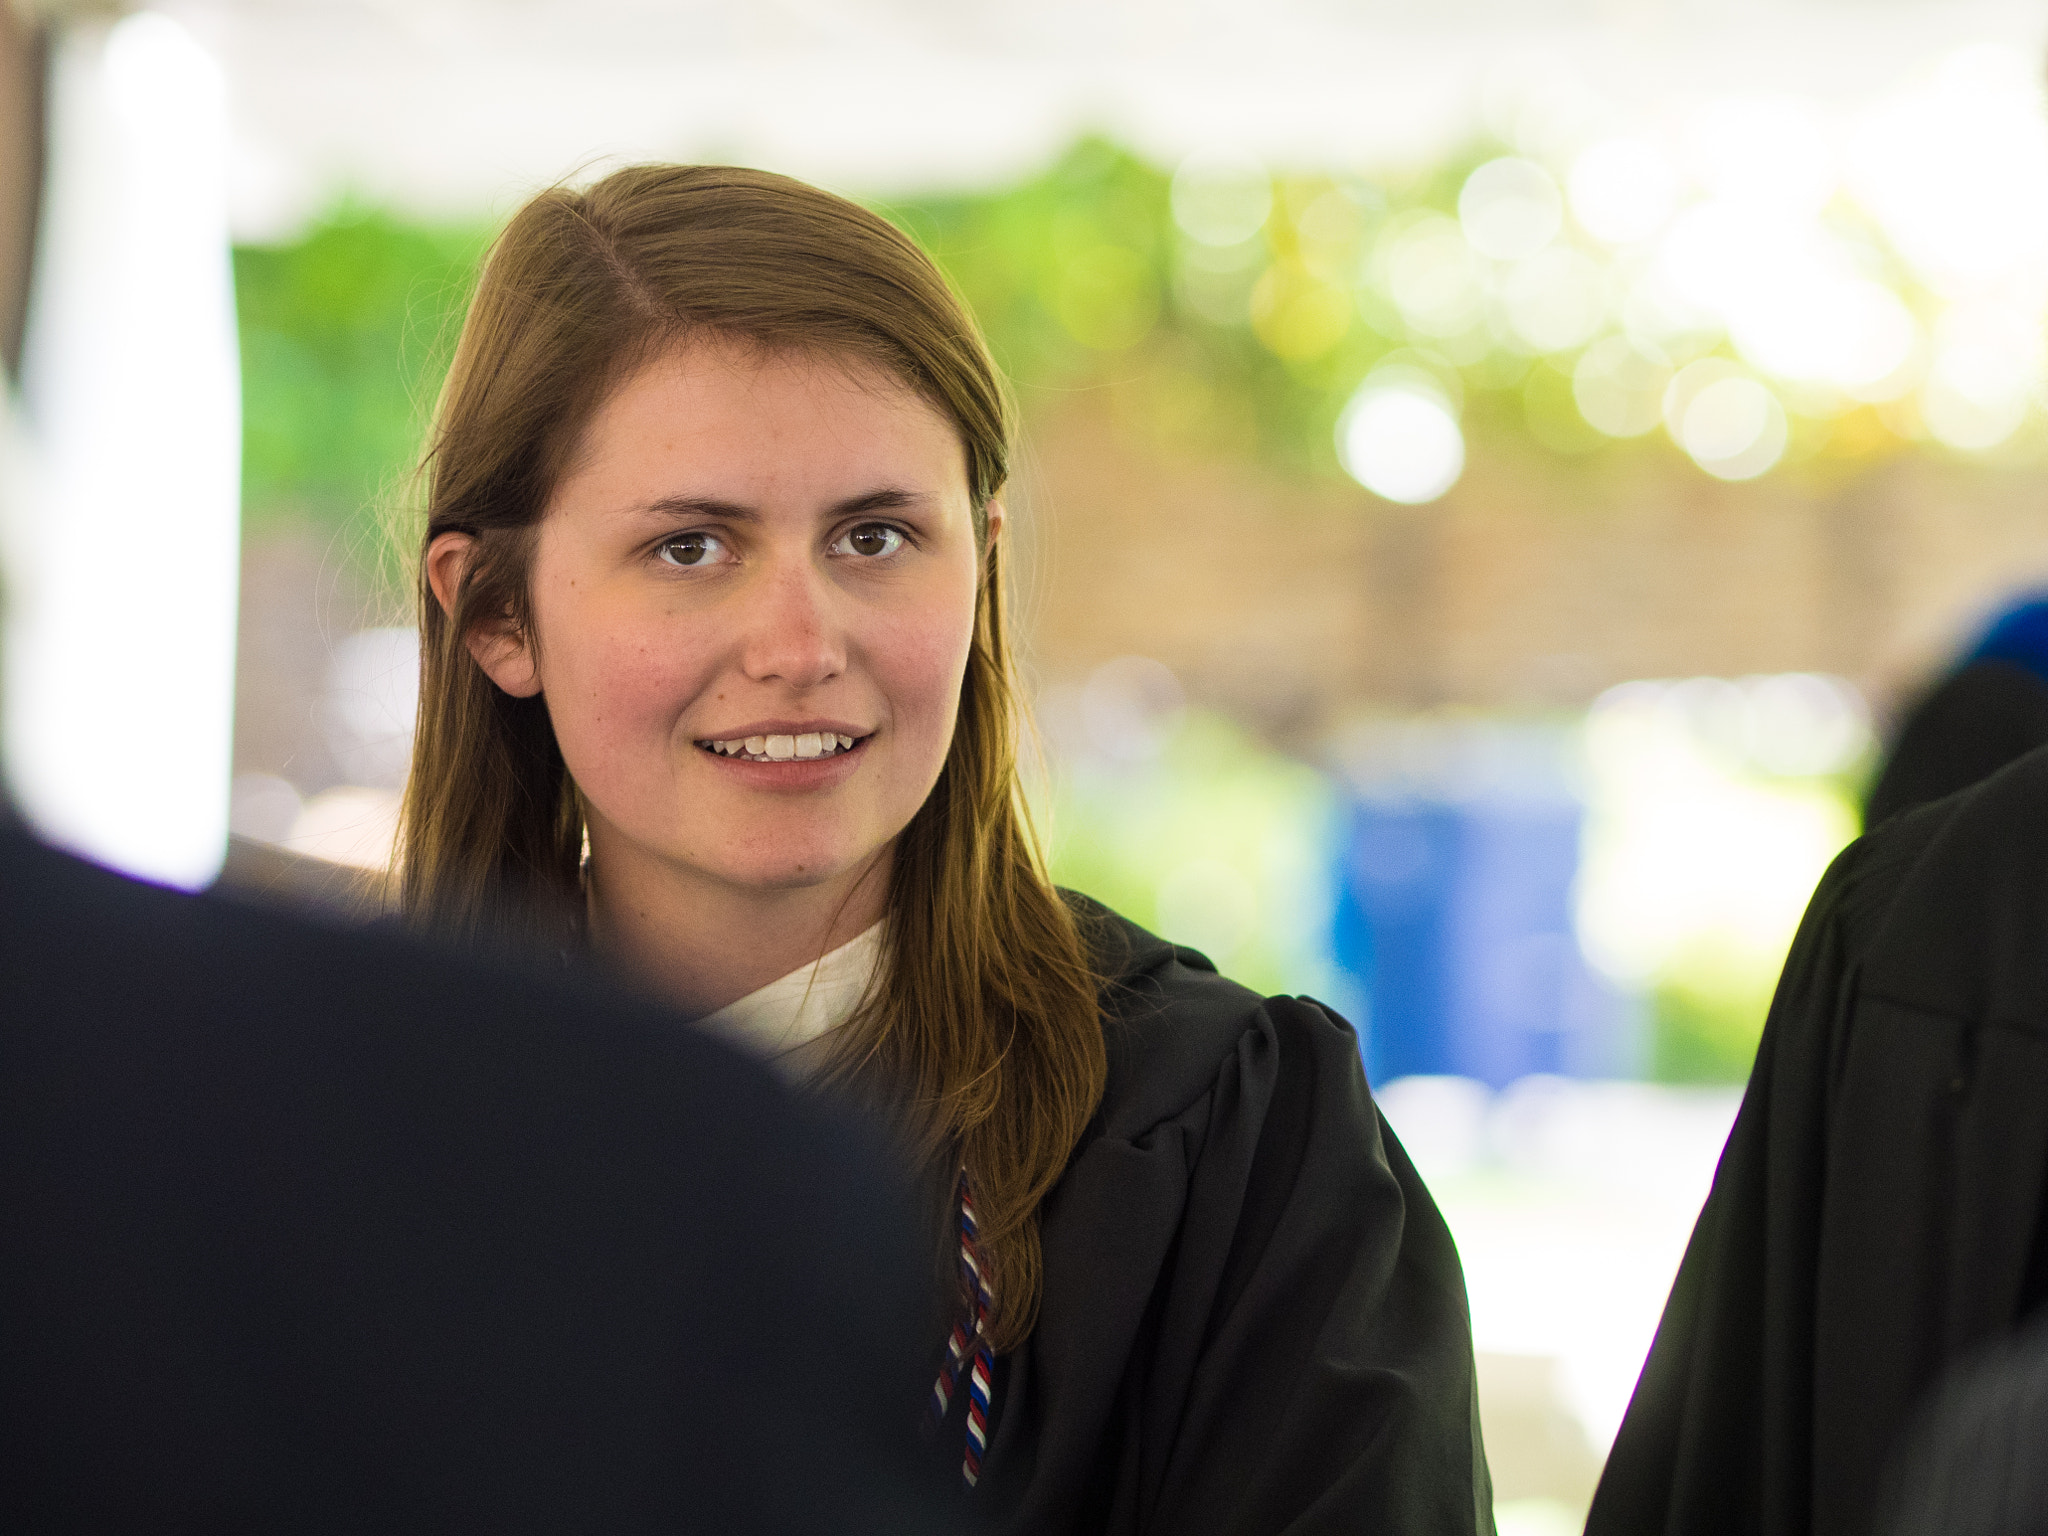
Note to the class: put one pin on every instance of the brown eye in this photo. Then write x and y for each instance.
(692, 549)
(873, 540)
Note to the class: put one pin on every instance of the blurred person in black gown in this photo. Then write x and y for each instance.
(311, 1230)
(1988, 709)
(1877, 1214)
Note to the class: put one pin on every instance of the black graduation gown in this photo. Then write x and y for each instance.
(1254, 1319)
(1876, 1209)
(1973, 1464)
(316, 1231)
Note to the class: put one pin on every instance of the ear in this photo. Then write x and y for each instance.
(497, 645)
(992, 520)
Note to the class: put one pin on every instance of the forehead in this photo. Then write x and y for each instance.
(728, 416)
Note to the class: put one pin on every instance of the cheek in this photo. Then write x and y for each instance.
(612, 679)
(920, 664)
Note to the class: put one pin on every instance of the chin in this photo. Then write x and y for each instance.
(793, 873)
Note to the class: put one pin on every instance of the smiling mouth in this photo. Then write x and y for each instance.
(805, 748)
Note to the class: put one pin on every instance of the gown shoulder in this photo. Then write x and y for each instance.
(1170, 1021)
(1942, 907)
(1253, 1317)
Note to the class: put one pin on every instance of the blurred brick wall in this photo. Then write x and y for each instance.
(1537, 581)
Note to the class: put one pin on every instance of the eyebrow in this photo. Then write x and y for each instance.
(887, 498)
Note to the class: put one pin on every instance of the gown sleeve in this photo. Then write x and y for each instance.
(1313, 1368)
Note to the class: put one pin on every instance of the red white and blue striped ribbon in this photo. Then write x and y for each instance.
(961, 1345)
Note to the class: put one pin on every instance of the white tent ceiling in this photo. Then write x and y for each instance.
(459, 106)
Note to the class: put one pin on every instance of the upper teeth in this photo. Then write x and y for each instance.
(778, 749)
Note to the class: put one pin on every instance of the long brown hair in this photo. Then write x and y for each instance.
(984, 1025)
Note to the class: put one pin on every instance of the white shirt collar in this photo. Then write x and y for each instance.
(810, 1002)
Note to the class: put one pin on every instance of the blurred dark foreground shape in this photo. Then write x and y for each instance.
(1976, 1463)
(309, 1230)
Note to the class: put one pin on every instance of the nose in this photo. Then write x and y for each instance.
(793, 635)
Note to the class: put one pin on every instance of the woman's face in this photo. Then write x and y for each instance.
(753, 593)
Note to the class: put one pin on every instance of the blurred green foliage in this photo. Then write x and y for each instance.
(1217, 842)
(1707, 1016)
(1084, 281)
(1079, 276)
(345, 333)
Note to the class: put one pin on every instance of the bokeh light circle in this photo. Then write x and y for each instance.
(1972, 419)
(1400, 439)
(1221, 198)
(1984, 374)
(1623, 190)
(1432, 275)
(1663, 322)
(1727, 421)
(1555, 300)
(1803, 723)
(1771, 154)
(1620, 387)
(1298, 315)
(1879, 340)
(1510, 208)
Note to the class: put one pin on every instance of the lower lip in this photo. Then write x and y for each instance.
(793, 774)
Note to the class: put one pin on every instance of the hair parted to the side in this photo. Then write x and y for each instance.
(984, 1030)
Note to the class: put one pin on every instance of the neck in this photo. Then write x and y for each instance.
(703, 944)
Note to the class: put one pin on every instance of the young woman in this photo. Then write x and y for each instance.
(717, 686)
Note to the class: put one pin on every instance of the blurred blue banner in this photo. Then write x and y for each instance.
(1454, 916)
